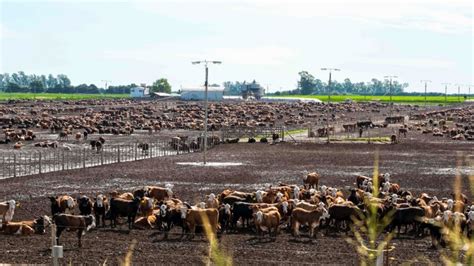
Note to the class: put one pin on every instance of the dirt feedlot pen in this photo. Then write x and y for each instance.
(23, 163)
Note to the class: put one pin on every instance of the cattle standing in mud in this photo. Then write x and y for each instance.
(73, 223)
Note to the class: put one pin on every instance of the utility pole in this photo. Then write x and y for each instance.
(446, 92)
(425, 81)
(459, 92)
(329, 96)
(390, 88)
(106, 83)
(329, 83)
(206, 84)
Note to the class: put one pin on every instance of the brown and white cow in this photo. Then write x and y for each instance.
(70, 222)
(196, 217)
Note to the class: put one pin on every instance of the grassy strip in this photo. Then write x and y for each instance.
(384, 98)
(58, 96)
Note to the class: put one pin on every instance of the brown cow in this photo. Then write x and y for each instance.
(73, 223)
(159, 193)
(16, 228)
(311, 218)
(270, 220)
(62, 204)
(126, 195)
(312, 180)
(196, 217)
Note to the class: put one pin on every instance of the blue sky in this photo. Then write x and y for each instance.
(270, 41)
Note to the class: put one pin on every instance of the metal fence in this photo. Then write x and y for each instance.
(22, 163)
(252, 132)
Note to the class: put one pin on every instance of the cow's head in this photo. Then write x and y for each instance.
(450, 203)
(284, 207)
(259, 217)
(163, 210)
(227, 209)
(201, 205)
(259, 196)
(296, 192)
(100, 201)
(184, 211)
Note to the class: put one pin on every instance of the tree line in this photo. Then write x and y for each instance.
(21, 82)
(308, 84)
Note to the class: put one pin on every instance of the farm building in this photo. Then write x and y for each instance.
(198, 94)
(139, 92)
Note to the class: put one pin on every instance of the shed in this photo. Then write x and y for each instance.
(198, 94)
(139, 92)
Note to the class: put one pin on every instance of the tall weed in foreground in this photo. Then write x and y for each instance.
(127, 261)
(217, 256)
(370, 240)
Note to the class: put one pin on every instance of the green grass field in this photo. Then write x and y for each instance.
(58, 96)
(385, 98)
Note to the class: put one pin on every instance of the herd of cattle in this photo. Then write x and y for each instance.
(290, 207)
(123, 117)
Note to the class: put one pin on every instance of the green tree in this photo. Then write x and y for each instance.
(161, 85)
(36, 86)
(306, 83)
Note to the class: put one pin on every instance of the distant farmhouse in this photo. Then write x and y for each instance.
(198, 94)
(140, 92)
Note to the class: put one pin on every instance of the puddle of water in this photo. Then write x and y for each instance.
(211, 164)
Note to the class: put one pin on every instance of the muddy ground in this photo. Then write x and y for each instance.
(418, 164)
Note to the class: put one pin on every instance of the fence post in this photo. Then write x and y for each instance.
(39, 162)
(84, 158)
(135, 150)
(118, 153)
(14, 165)
(62, 160)
(101, 157)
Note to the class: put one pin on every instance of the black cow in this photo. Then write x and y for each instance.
(123, 208)
(85, 205)
(406, 216)
(100, 208)
(242, 210)
(354, 197)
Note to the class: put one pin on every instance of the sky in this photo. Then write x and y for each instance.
(269, 41)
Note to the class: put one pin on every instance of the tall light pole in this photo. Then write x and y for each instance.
(446, 92)
(390, 77)
(459, 92)
(106, 82)
(329, 83)
(206, 84)
(329, 95)
(426, 85)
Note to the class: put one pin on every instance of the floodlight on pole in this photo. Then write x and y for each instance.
(459, 92)
(206, 84)
(106, 82)
(446, 92)
(329, 95)
(426, 85)
(390, 77)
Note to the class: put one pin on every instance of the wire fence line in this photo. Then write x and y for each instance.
(23, 163)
